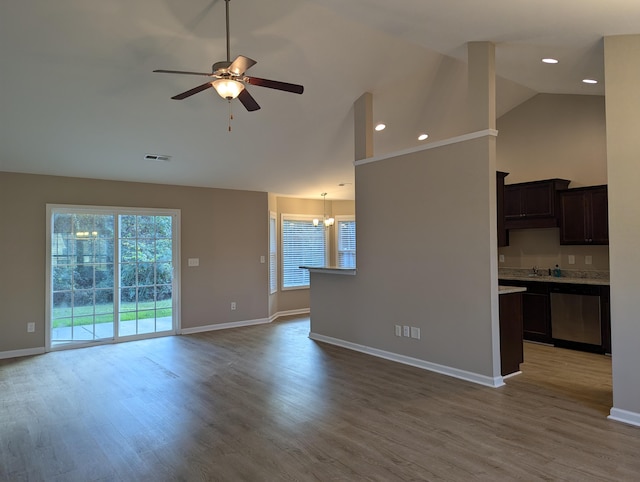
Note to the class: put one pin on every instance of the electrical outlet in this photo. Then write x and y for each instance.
(588, 260)
(501, 258)
(263, 259)
(31, 327)
(572, 259)
(415, 332)
(405, 331)
(233, 305)
(398, 330)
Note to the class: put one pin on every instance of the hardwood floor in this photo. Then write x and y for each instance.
(266, 403)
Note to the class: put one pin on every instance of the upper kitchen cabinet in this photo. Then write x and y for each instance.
(584, 216)
(503, 234)
(532, 204)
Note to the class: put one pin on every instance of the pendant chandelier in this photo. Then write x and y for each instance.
(328, 222)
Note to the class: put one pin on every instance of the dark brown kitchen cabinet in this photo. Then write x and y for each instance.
(536, 319)
(532, 204)
(584, 216)
(503, 234)
(511, 350)
(605, 317)
(536, 315)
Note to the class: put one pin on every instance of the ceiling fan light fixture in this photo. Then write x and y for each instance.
(228, 88)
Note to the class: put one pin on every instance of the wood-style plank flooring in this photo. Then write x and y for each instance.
(266, 403)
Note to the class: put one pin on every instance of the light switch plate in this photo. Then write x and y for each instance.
(588, 260)
(194, 261)
(572, 259)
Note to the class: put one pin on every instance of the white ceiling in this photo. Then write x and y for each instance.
(78, 96)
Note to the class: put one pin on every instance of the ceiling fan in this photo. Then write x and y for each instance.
(230, 78)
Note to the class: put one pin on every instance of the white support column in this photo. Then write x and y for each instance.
(622, 97)
(482, 85)
(363, 126)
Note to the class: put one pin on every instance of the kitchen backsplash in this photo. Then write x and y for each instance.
(541, 248)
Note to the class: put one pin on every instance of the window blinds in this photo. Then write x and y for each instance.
(303, 244)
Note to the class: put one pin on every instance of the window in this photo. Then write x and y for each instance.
(303, 244)
(110, 274)
(273, 253)
(346, 241)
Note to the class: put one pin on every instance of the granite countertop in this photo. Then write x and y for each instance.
(568, 276)
(507, 290)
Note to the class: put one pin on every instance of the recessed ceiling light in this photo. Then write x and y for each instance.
(550, 61)
(590, 81)
(422, 137)
(380, 127)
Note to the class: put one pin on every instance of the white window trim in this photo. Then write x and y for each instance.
(300, 217)
(115, 210)
(338, 218)
(273, 217)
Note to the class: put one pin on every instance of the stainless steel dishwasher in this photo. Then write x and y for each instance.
(576, 314)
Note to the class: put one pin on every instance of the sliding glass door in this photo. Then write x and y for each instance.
(146, 274)
(111, 274)
(82, 277)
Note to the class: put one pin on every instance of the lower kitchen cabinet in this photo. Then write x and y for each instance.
(511, 350)
(537, 320)
(605, 307)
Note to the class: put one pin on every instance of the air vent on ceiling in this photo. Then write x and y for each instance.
(157, 157)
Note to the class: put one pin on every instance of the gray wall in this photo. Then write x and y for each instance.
(227, 230)
(554, 135)
(298, 299)
(550, 136)
(416, 215)
(622, 68)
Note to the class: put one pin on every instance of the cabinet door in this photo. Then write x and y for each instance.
(537, 200)
(584, 216)
(573, 219)
(512, 202)
(535, 317)
(511, 350)
(503, 234)
(599, 219)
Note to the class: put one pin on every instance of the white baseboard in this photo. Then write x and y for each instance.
(223, 326)
(20, 353)
(624, 416)
(415, 362)
(280, 314)
(238, 324)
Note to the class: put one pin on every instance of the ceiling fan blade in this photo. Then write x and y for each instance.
(241, 64)
(275, 84)
(183, 72)
(193, 91)
(248, 101)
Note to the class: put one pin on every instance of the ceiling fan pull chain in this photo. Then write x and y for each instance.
(230, 115)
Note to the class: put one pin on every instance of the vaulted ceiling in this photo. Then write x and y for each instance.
(78, 96)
